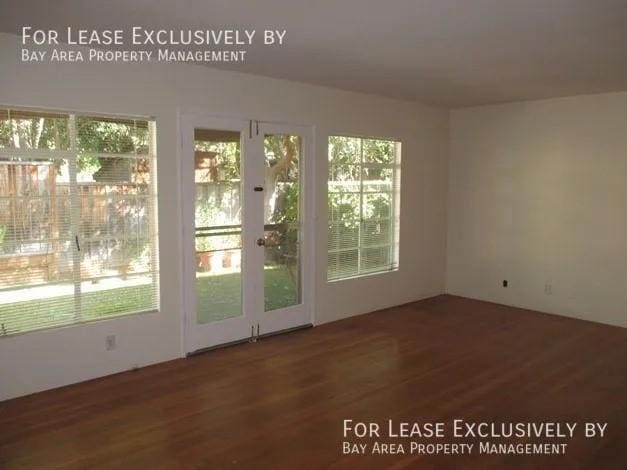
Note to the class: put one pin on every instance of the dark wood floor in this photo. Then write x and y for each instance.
(280, 403)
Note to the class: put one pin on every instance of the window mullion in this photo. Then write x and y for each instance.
(75, 217)
(152, 223)
(394, 209)
(361, 203)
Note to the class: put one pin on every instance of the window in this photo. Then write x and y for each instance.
(363, 196)
(78, 231)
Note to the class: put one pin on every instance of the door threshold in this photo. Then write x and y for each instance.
(248, 340)
(286, 330)
(218, 346)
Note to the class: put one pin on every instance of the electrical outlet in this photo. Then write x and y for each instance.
(110, 343)
(505, 283)
(548, 289)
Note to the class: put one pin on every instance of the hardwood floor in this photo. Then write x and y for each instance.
(280, 403)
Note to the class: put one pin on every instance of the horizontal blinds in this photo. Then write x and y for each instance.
(363, 193)
(78, 227)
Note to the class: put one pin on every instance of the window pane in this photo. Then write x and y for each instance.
(115, 296)
(344, 177)
(112, 135)
(33, 130)
(377, 206)
(36, 248)
(34, 214)
(377, 179)
(375, 259)
(343, 207)
(344, 150)
(376, 232)
(116, 222)
(125, 174)
(344, 235)
(33, 309)
(379, 151)
(343, 264)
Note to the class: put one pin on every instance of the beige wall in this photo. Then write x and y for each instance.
(537, 196)
(46, 359)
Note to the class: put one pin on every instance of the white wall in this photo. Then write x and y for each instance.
(41, 360)
(538, 195)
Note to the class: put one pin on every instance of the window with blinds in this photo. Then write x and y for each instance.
(78, 225)
(363, 198)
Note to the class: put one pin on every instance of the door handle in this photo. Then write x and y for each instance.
(261, 242)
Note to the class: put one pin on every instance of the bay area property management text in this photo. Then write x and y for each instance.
(402, 437)
(164, 45)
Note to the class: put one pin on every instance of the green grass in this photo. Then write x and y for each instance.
(215, 302)
(58, 311)
(280, 289)
(219, 297)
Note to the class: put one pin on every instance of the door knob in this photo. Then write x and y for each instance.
(261, 242)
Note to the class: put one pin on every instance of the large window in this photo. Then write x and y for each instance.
(363, 195)
(78, 232)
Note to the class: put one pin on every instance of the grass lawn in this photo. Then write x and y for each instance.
(215, 294)
(57, 311)
(219, 297)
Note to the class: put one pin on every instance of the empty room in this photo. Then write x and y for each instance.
(293, 234)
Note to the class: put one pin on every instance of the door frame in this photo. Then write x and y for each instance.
(225, 332)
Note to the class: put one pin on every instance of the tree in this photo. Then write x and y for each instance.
(27, 130)
(281, 155)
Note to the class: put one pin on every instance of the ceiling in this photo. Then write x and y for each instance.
(449, 53)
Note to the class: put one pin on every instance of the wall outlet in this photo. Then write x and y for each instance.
(505, 283)
(110, 343)
(548, 289)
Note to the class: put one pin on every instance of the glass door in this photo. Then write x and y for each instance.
(286, 162)
(243, 228)
(213, 176)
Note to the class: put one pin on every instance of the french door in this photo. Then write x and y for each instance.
(245, 223)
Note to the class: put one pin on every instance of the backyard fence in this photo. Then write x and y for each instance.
(36, 237)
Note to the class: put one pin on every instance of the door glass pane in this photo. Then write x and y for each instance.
(282, 221)
(218, 229)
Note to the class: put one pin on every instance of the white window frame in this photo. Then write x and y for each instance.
(394, 218)
(71, 155)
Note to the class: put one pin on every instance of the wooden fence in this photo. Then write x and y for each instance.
(35, 218)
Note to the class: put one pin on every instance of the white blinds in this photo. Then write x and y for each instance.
(363, 197)
(78, 226)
